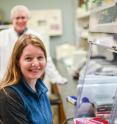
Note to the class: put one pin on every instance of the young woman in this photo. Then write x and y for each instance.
(23, 98)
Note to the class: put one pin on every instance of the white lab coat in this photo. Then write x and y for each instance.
(8, 37)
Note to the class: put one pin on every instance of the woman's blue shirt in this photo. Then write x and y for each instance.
(36, 103)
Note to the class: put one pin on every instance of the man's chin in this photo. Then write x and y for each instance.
(20, 30)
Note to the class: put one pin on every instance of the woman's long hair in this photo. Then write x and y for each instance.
(13, 72)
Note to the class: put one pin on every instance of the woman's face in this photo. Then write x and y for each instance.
(32, 62)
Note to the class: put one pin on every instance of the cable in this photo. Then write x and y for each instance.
(114, 110)
(79, 92)
(68, 119)
(82, 82)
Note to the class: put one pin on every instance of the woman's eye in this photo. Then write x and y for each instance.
(40, 57)
(28, 59)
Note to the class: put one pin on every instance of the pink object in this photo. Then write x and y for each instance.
(90, 121)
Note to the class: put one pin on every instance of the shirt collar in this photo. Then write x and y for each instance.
(19, 34)
(40, 87)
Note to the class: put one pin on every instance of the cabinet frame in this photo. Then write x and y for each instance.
(95, 26)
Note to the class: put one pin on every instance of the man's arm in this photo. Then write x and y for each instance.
(53, 73)
(12, 108)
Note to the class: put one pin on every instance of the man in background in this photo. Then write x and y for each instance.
(19, 18)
